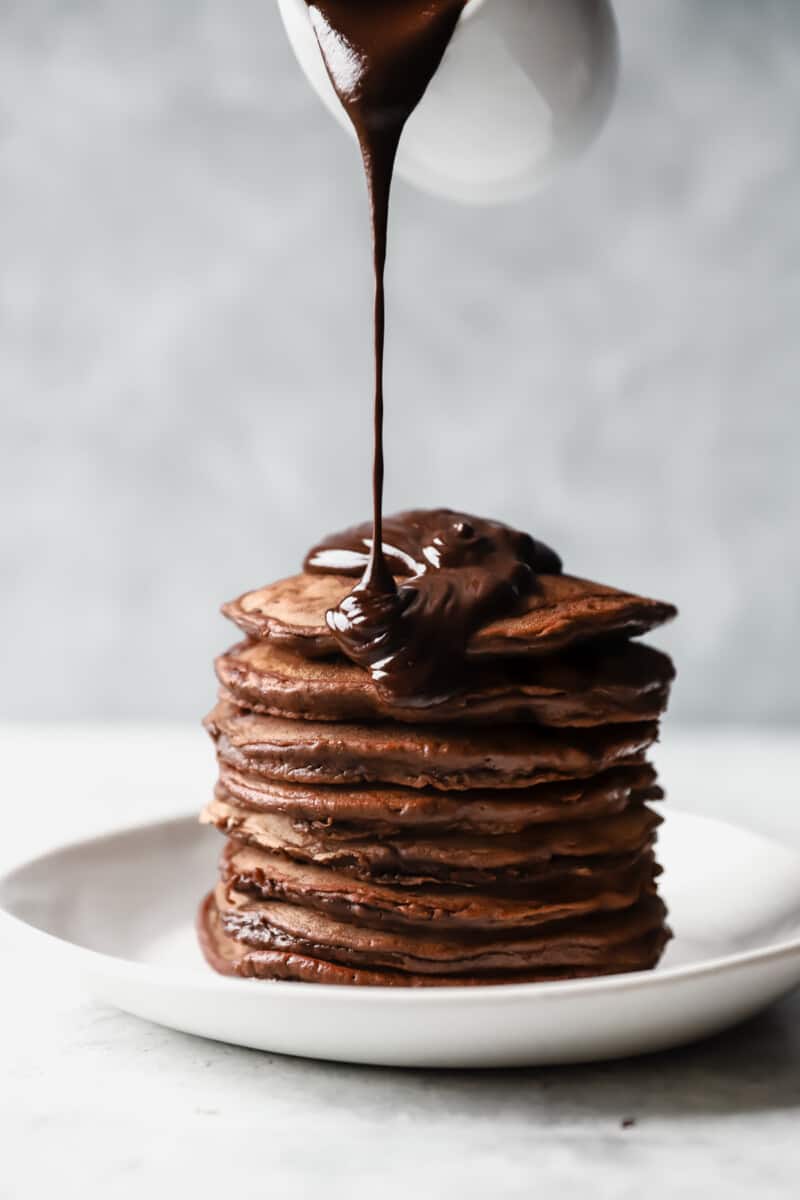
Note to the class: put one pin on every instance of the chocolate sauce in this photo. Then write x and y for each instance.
(457, 573)
(463, 571)
(380, 58)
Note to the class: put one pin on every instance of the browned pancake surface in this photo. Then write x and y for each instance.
(603, 938)
(450, 856)
(502, 756)
(249, 872)
(384, 809)
(282, 956)
(622, 682)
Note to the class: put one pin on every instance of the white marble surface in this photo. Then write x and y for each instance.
(98, 1104)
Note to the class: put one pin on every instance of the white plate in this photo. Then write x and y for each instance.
(120, 910)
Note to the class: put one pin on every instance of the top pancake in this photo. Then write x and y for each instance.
(564, 610)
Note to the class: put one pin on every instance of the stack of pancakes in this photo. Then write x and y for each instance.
(500, 836)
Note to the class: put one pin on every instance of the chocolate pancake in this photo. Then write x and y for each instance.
(250, 872)
(615, 682)
(501, 756)
(545, 881)
(276, 925)
(375, 810)
(562, 611)
(547, 853)
(248, 939)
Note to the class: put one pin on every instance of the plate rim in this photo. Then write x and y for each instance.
(211, 982)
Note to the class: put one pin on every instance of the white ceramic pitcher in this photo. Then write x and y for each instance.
(524, 85)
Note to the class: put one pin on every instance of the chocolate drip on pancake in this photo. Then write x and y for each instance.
(461, 572)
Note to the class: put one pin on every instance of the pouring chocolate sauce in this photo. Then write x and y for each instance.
(460, 571)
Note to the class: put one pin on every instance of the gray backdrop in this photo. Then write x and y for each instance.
(184, 369)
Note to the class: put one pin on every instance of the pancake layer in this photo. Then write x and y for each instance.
(546, 853)
(563, 611)
(503, 756)
(616, 683)
(251, 872)
(377, 809)
(275, 954)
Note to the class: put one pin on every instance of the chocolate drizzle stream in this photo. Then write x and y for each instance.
(380, 58)
(457, 573)
(460, 571)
